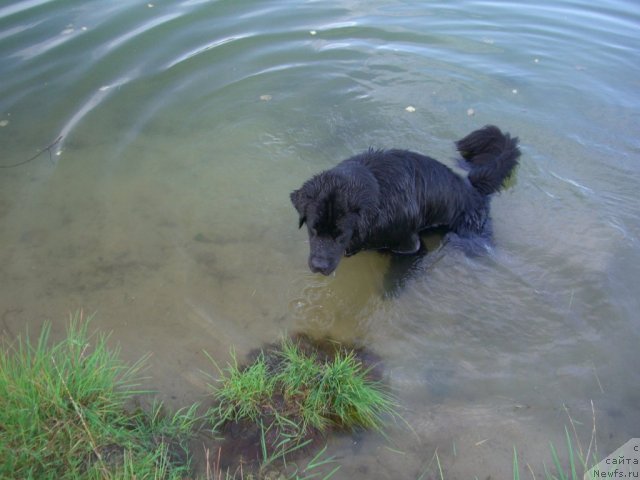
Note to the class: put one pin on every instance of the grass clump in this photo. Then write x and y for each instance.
(243, 393)
(293, 393)
(345, 396)
(63, 413)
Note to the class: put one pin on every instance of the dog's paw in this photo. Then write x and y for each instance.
(408, 246)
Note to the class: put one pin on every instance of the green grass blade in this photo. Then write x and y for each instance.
(572, 464)
(557, 463)
(316, 461)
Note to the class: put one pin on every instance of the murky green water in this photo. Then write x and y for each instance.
(164, 207)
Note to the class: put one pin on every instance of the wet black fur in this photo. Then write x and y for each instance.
(383, 199)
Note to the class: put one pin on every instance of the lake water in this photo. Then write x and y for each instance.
(164, 207)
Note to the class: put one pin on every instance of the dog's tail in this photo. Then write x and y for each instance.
(492, 156)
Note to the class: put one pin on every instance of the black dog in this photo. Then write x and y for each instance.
(383, 199)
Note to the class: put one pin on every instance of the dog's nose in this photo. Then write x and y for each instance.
(320, 265)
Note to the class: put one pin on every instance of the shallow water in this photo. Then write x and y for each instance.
(164, 207)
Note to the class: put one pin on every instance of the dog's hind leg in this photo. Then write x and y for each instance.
(408, 246)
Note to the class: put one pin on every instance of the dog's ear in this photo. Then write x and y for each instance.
(298, 200)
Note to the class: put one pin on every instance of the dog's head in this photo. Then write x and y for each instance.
(332, 209)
